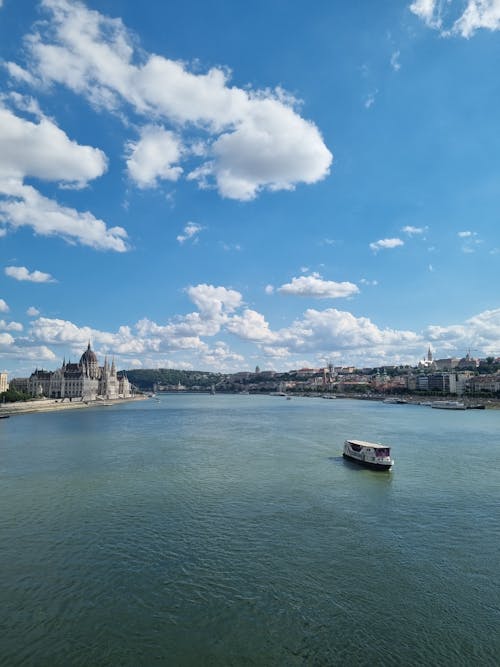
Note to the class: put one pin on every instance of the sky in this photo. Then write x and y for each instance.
(214, 186)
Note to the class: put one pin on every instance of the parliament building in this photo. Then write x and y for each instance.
(86, 380)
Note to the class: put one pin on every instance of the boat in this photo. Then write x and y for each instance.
(395, 401)
(448, 405)
(481, 406)
(4, 416)
(369, 454)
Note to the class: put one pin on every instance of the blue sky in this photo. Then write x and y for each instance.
(222, 185)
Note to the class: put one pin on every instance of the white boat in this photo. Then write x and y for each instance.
(370, 454)
(448, 405)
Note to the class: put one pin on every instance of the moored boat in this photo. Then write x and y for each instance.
(448, 405)
(369, 454)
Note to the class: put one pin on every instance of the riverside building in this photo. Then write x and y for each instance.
(85, 380)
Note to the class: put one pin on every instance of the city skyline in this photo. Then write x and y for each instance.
(214, 188)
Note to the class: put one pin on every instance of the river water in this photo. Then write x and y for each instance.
(228, 530)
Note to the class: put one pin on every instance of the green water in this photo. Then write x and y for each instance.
(228, 530)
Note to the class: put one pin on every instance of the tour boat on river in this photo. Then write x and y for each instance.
(369, 454)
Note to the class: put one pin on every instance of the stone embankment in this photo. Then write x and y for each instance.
(50, 404)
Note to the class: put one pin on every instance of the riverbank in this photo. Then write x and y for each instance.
(52, 405)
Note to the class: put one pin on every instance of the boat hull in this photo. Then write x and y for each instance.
(368, 464)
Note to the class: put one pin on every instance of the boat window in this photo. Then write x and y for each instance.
(356, 448)
(384, 451)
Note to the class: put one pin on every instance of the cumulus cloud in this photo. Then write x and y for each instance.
(24, 206)
(4, 308)
(483, 329)
(44, 151)
(256, 139)
(315, 286)
(385, 244)
(32, 312)
(153, 157)
(214, 301)
(269, 289)
(10, 326)
(476, 15)
(426, 10)
(333, 329)
(190, 233)
(190, 340)
(6, 340)
(251, 325)
(22, 273)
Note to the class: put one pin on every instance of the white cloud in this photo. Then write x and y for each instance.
(191, 231)
(257, 140)
(365, 281)
(4, 308)
(269, 289)
(395, 64)
(44, 151)
(315, 286)
(425, 9)
(328, 332)
(477, 14)
(386, 243)
(10, 326)
(22, 273)
(24, 206)
(465, 234)
(214, 301)
(152, 158)
(414, 231)
(32, 312)
(19, 73)
(317, 334)
(483, 329)
(251, 325)
(6, 340)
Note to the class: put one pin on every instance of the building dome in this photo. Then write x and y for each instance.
(89, 363)
(88, 357)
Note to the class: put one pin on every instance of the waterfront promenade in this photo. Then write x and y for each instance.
(52, 405)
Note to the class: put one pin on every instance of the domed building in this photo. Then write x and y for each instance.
(85, 381)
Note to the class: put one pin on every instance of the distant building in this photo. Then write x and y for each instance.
(86, 380)
(446, 364)
(4, 385)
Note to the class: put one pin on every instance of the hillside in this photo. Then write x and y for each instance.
(146, 379)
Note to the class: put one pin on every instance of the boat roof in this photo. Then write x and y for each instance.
(365, 443)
